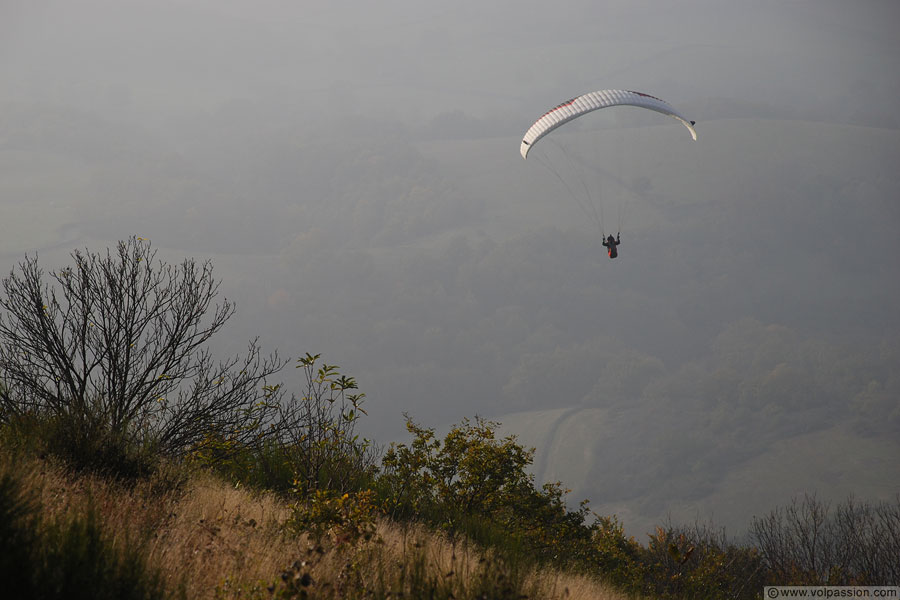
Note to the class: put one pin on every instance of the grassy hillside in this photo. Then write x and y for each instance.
(209, 539)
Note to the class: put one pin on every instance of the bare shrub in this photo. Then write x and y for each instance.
(811, 543)
(115, 348)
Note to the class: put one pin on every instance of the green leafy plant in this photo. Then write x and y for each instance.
(317, 431)
(344, 520)
(475, 483)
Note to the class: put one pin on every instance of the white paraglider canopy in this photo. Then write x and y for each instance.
(581, 105)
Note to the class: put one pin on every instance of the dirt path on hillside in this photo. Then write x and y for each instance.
(549, 440)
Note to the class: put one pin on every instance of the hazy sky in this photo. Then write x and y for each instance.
(159, 58)
(352, 170)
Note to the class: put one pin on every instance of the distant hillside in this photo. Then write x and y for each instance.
(598, 452)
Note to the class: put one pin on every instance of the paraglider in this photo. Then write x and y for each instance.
(575, 108)
(612, 245)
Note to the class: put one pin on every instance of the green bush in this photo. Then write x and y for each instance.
(475, 484)
(84, 444)
(315, 446)
(317, 431)
(619, 559)
(700, 562)
(344, 519)
(264, 466)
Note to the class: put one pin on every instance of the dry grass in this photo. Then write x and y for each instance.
(445, 556)
(214, 541)
(202, 536)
